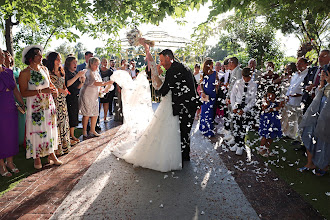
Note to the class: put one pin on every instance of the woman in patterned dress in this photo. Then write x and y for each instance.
(57, 76)
(41, 127)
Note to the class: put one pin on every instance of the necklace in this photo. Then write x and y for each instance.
(33, 69)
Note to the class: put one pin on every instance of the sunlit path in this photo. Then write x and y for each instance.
(113, 189)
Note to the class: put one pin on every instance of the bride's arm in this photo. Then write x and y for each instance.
(156, 80)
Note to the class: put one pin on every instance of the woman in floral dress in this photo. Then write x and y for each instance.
(41, 127)
(57, 77)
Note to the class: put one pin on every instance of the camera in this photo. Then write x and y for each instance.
(326, 69)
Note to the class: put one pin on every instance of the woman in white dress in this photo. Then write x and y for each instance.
(147, 139)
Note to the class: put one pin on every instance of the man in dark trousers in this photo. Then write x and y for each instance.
(180, 80)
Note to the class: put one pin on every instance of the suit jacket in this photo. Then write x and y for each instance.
(321, 122)
(181, 81)
(308, 80)
(81, 67)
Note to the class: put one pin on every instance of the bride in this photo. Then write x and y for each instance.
(147, 139)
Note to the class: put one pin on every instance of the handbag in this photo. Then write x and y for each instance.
(20, 108)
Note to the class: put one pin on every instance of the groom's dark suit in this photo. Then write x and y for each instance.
(179, 79)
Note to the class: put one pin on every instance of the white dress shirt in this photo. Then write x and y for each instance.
(296, 87)
(237, 93)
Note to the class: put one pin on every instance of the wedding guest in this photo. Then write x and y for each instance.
(124, 65)
(243, 98)
(108, 97)
(57, 76)
(10, 64)
(73, 81)
(197, 76)
(9, 118)
(284, 81)
(315, 132)
(312, 80)
(209, 89)
(235, 73)
(132, 69)
(41, 127)
(256, 74)
(82, 66)
(88, 97)
(270, 124)
(112, 65)
(222, 95)
(9, 60)
(294, 96)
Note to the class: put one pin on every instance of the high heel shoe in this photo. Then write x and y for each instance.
(14, 170)
(37, 166)
(94, 134)
(6, 173)
(57, 162)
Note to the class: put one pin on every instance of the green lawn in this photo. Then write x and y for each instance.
(312, 188)
(25, 166)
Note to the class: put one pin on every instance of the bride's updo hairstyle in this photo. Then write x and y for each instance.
(93, 60)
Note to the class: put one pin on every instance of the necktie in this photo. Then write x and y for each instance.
(244, 95)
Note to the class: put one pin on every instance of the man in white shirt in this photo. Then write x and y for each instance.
(294, 96)
(235, 73)
(243, 98)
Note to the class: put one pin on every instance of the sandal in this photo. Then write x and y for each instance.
(14, 170)
(320, 172)
(302, 169)
(6, 173)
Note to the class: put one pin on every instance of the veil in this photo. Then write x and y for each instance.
(137, 110)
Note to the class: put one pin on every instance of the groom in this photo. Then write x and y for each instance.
(179, 79)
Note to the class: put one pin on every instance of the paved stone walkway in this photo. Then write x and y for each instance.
(38, 195)
(114, 189)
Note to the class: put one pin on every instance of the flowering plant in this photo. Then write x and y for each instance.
(133, 37)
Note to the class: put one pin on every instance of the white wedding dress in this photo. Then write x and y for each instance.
(147, 139)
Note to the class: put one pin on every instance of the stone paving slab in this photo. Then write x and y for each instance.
(38, 196)
(114, 189)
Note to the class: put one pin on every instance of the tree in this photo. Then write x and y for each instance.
(56, 18)
(79, 50)
(309, 20)
(64, 49)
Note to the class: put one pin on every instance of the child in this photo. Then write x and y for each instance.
(270, 124)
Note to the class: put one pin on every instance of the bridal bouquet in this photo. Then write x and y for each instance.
(133, 37)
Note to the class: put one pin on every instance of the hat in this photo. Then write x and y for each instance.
(28, 48)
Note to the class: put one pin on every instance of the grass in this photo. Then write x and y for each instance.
(311, 187)
(25, 166)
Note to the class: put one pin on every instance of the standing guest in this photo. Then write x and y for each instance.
(9, 61)
(197, 76)
(89, 96)
(222, 94)
(82, 66)
(8, 118)
(243, 98)
(294, 96)
(73, 81)
(132, 69)
(209, 87)
(113, 92)
(312, 80)
(315, 132)
(284, 81)
(57, 76)
(41, 127)
(124, 65)
(270, 124)
(235, 73)
(256, 74)
(108, 97)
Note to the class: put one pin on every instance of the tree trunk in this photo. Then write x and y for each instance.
(9, 36)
